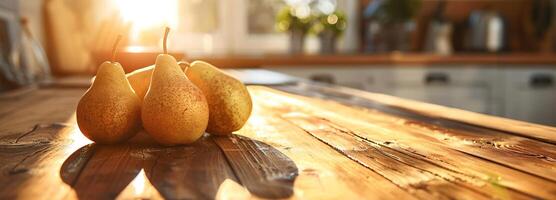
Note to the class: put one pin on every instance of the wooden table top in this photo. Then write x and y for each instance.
(303, 141)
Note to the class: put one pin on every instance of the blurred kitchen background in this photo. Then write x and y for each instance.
(490, 56)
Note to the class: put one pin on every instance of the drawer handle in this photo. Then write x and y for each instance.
(437, 78)
(323, 78)
(541, 80)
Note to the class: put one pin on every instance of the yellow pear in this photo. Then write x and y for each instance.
(174, 110)
(229, 101)
(109, 112)
(140, 79)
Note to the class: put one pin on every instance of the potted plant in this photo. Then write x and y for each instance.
(390, 23)
(296, 21)
(328, 27)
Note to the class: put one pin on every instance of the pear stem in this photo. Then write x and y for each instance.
(164, 47)
(115, 48)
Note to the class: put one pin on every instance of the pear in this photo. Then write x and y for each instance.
(229, 101)
(140, 79)
(174, 110)
(109, 112)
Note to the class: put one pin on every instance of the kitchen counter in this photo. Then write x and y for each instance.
(410, 59)
(302, 141)
(135, 60)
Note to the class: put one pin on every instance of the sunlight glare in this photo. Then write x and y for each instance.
(77, 138)
(136, 49)
(145, 14)
(139, 183)
(230, 189)
(140, 188)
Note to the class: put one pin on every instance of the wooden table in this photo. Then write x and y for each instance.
(303, 141)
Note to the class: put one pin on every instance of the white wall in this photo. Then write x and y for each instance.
(232, 37)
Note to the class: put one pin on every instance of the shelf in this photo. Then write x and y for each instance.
(242, 61)
(133, 60)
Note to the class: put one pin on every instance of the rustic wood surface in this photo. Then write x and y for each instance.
(303, 141)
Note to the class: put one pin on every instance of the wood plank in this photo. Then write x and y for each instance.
(31, 162)
(182, 172)
(526, 129)
(525, 154)
(422, 178)
(106, 173)
(74, 164)
(60, 107)
(529, 156)
(82, 82)
(188, 172)
(17, 93)
(327, 143)
(323, 172)
(263, 170)
(378, 127)
(21, 98)
(48, 106)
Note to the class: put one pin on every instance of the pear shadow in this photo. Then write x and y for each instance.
(100, 171)
(263, 170)
(194, 171)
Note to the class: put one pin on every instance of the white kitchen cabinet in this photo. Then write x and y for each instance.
(364, 78)
(464, 87)
(472, 98)
(530, 94)
(525, 93)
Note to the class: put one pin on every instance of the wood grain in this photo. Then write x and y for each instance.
(312, 142)
(323, 172)
(39, 107)
(188, 172)
(418, 176)
(13, 101)
(30, 162)
(523, 153)
(106, 173)
(381, 128)
(265, 171)
(182, 172)
(525, 129)
(194, 171)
